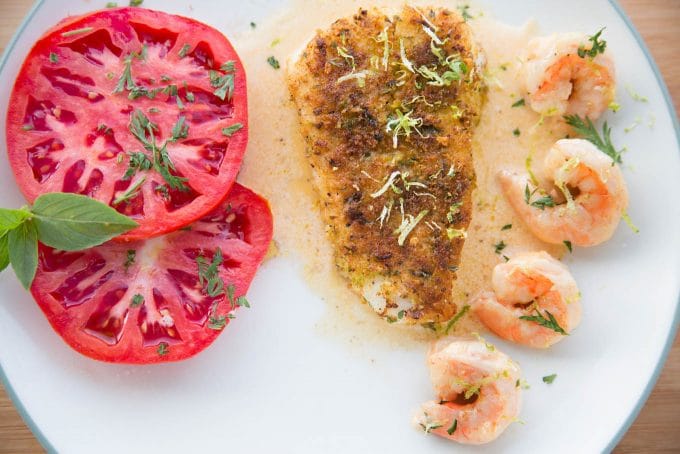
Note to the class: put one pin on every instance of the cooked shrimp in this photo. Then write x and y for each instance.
(477, 391)
(559, 82)
(530, 285)
(594, 191)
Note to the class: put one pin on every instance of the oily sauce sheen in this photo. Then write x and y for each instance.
(277, 167)
(354, 151)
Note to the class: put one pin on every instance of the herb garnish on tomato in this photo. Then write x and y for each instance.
(127, 106)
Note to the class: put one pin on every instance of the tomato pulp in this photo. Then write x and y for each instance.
(162, 299)
(128, 106)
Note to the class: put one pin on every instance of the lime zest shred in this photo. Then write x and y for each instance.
(561, 183)
(527, 164)
(402, 124)
(452, 233)
(431, 33)
(408, 223)
(384, 38)
(404, 59)
(360, 77)
(385, 213)
(388, 184)
(626, 218)
(635, 96)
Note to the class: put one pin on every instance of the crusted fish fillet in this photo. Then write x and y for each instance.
(387, 106)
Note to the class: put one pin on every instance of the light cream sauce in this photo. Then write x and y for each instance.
(275, 165)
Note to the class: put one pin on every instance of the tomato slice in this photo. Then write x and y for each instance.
(127, 106)
(146, 301)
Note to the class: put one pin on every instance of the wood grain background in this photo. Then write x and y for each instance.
(657, 429)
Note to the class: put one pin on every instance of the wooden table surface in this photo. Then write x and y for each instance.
(657, 428)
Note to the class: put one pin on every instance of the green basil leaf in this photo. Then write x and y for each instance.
(23, 252)
(72, 222)
(10, 219)
(4, 251)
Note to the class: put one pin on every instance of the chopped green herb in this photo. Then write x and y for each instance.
(77, 31)
(522, 384)
(598, 47)
(456, 317)
(228, 66)
(527, 194)
(516, 132)
(241, 301)
(542, 202)
(224, 83)
(125, 82)
(154, 110)
(164, 165)
(137, 161)
(498, 247)
(273, 62)
(28, 127)
(253, 25)
(453, 427)
(567, 243)
(588, 131)
(429, 427)
(163, 349)
(275, 42)
(184, 50)
(231, 130)
(453, 211)
(180, 130)
(401, 314)
(143, 129)
(218, 323)
(136, 2)
(54, 58)
(137, 300)
(112, 5)
(549, 322)
(130, 193)
(464, 12)
(549, 378)
(519, 103)
(231, 289)
(130, 259)
(208, 274)
(144, 52)
(506, 227)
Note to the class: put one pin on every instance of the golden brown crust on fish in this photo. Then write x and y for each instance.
(388, 136)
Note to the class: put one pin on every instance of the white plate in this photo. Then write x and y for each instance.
(272, 383)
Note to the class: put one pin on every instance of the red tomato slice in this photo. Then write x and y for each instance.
(145, 301)
(86, 81)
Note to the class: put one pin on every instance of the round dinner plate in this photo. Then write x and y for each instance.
(275, 382)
